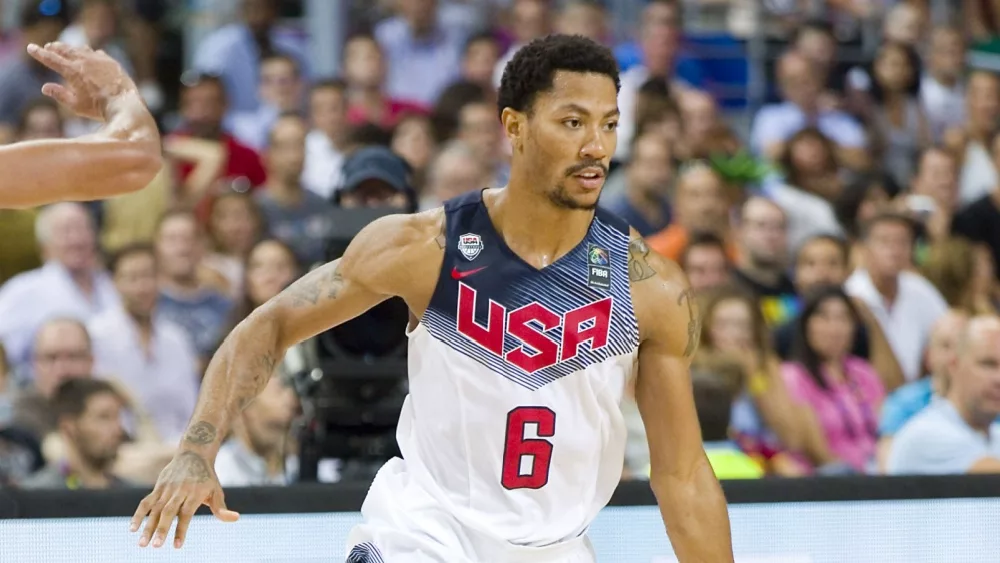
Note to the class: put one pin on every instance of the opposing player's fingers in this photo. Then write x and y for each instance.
(167, 520)
(217, 502)
(184, 517)
(67, 52)
(50, 58)
(59, 93)
(141, 512)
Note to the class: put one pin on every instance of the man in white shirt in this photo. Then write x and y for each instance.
(905, 304)
(326, 142)
(70, 284)
(942, 89)
(280, 91)
(152, 357)
(958, 433)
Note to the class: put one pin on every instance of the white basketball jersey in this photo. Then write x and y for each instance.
(513, 423)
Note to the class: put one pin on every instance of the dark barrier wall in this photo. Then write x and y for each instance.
(304, 499)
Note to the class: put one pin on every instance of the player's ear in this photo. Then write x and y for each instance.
(514, 123)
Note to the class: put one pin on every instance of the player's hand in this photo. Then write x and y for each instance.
(92, 79)
(185, 484)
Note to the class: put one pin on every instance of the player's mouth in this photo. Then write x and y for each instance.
(590, 178)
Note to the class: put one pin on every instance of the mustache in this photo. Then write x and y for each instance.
(577, 168)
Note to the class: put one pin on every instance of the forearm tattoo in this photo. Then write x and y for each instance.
(201, 433)
(324, 283)
(638, 266)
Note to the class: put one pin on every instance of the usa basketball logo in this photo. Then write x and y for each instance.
(470, 246)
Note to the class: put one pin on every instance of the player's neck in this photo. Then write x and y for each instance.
(534, 227)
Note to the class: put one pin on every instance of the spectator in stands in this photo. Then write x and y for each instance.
(271, 267)
(588, 18)
(376, 177)
(234, 52)
(963, 273)
(762, 238)
(153, 358)
(660, 33)
(705, 262)
(281, 91)
(843, 391)
(801, 86)
(368, 98)
(979, 221)
(479, 129)
(21, 76)
(972, 142)
(530, 20)
(61, 351)
(815, 40)
(811, 183)
(822, 261)
(423, 53)
(327, 141)
(905, 303)
(942, 86)
(897, 124)
(936, 177)
(187, 297)
(413, 140)
(904, 24)
(71, 283)
(202, 152)
(258, 452)
(89, 414)
(713, 400)
(292, 213)
(764, 419)
(957, 433)
(40, 120)
(482, 51)
(234, 225)
(903, 403)
(700, 117)
(657, 112)
(700, 204)
(455, 170)
(645, 200)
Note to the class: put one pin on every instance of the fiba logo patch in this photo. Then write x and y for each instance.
(598, 267)
(470, 245)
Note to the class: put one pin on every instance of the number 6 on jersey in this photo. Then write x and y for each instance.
(517, 448)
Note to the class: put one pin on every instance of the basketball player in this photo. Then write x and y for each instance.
(531, 309)
(122, 156)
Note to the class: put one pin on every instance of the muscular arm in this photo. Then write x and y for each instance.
(687, 491)
(122, 157)
(377, 265)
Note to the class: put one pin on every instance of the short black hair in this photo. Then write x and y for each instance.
(334, 83)
(889, 216)
(817, 25)
(128, 250)
(843, 247)
(534, 66)
(296, 67)
(71, 397)
(485, 36)
(702, 239)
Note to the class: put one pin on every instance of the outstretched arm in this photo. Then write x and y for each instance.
(122, 157)
(383, 260)
(687, 491)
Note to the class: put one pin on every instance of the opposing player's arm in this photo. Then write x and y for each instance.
(687, 491)
(378, 264)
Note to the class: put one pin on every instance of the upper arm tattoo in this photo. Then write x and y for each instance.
(638, 267)
(324, 283)
(694, 323)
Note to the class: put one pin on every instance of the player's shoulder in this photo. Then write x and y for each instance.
(410, 231)
(661, 294)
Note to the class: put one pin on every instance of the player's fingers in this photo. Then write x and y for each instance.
(60, 93)
(217, 502)
(50, 58)
(65, 51)
(188, 509)
(141, 512)
(167, 520)
(152, 522)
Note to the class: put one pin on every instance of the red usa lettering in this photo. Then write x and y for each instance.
(530, 325)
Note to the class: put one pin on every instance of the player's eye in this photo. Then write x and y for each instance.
(573, 123)
(611, 125)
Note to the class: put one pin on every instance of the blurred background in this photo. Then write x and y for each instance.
(825, 172)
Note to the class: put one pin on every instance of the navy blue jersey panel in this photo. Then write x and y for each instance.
(532, 325)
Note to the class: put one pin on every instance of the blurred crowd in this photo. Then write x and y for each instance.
(844, 237)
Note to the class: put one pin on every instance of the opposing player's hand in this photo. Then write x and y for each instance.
(92, 78)
(185, 484)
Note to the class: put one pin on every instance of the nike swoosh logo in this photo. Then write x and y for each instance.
(457, 274)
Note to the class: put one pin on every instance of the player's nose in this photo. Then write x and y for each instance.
(596, 147)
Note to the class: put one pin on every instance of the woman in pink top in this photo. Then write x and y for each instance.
(844, 391)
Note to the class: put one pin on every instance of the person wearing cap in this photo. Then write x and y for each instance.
(293, 214)
(376, 177)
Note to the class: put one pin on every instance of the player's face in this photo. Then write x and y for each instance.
(570, 137)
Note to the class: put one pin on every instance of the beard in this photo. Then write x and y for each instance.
(560, 197)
